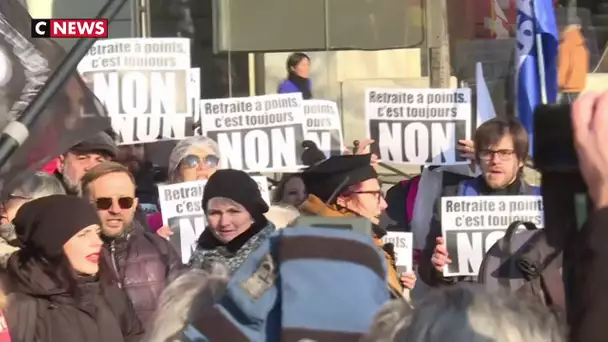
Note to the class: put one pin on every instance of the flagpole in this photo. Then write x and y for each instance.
(17, 131)
(540, 58)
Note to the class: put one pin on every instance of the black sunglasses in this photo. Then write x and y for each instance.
(105, 203)
(192, 161)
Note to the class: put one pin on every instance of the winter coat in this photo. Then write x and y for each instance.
(232, 254)
(314, 206)
(40, 309)
(144, 263)
(573, 61)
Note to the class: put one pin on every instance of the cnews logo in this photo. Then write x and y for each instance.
(69, 28)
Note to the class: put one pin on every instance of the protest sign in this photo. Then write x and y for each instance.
(323, 126)
(471, 225)
(144, 84)
(195, 92)
(257, 133)
(403, 246)
(418, 126)
(181, 206)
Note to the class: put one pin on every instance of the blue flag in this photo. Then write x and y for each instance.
(536, 65)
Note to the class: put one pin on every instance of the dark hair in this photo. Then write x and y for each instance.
(491, 131)
(277, 195)
(99, 171)
(59, 270)
(294, 59)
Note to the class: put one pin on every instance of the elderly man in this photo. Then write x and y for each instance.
(82, 157)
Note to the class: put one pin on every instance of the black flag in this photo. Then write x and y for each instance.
(71, 116)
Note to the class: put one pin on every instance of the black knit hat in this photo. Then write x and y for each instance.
(237, 186)
(45, 224)
(330, 177)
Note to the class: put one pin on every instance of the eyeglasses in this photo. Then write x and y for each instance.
(105, 203)
(502, 154)
(192, 161)
(378, 193)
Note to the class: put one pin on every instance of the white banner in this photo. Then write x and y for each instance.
(471, 225)
(323, 126)
(257, 133)
(181, 207)
(418, 126)
(144, 84)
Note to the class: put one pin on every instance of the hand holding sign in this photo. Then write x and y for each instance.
(466, 149)
(362, 147)
(408, 280)
(164, 232)
(440, 256)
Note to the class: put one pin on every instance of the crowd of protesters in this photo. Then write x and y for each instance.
(85, 256)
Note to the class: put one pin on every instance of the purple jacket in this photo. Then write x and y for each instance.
(287, 87)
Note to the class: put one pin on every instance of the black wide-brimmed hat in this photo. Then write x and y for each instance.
(327, 178)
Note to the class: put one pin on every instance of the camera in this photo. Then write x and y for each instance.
(553, 143)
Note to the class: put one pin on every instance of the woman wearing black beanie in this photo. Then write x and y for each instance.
(236, 225)
(62, 289)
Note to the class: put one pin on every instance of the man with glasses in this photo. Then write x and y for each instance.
(143, 262)
(501, 149)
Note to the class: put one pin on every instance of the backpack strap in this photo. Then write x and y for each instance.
(506, 252)
(541, 265)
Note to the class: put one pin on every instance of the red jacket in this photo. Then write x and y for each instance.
(50, 168)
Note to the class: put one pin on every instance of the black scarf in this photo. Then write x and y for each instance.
(302, 84)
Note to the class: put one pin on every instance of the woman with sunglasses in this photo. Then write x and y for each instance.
(192, 159)
(348, 186)
(63, 289)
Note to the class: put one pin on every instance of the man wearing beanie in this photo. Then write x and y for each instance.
(83, 156)
(236, 225)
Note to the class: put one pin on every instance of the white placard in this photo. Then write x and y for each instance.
(404, 252)
(418, 126)
(257, 133)
(323, 126)
(144, 85)
(471, 225)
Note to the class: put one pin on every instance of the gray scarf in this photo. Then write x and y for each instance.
(204, 258)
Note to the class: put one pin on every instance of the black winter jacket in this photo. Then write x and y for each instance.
(41, 310)
(144, 264)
